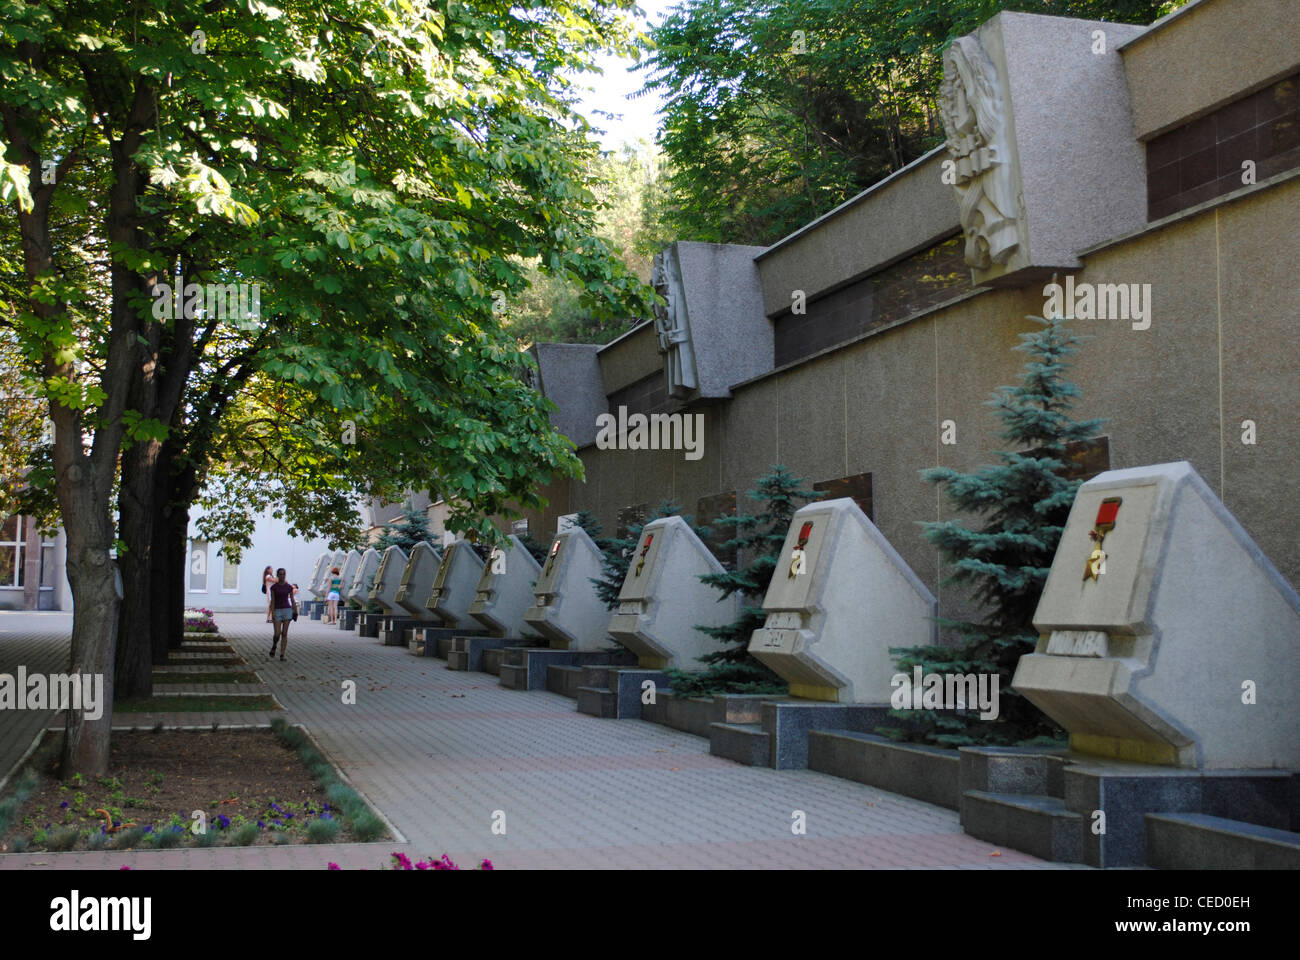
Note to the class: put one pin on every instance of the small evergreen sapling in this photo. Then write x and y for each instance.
(1023, 502)
(758, 538)
(413, 528)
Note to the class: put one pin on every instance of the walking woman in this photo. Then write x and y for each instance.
(336, 584)
(286, 611)
(268, 578)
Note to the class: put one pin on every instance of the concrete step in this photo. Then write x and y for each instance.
(1033, 823)
(743, 742)
(514, 676)
(916, 770)
(1197, 841)
(565, 679)
(598, 702)
(491, 662)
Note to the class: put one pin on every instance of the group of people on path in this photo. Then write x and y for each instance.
(282, 604)
(281, 607)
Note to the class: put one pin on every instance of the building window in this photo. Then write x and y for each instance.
(48, 571)
(198, 566)
(857, 488)
(908, 287)
(230, 571)
(11, 552)
(1210, 156)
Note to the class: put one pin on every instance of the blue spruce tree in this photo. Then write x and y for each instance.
(1022, 503)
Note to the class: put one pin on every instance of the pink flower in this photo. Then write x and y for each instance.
(486, 865)
(124, 867)
(403, 861)
(334, 866)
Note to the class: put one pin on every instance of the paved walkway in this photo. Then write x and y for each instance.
(445, 755)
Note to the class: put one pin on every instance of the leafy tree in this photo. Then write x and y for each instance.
(1023, 502)
(551, 309)
(379, 170)
(776, 111)
(759, 538)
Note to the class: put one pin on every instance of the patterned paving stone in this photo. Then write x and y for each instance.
(448, 756)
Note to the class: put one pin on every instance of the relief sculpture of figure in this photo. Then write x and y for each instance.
(670, 325)
(972, 110)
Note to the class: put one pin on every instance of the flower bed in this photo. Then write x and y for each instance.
(182, 788)
(200, 620)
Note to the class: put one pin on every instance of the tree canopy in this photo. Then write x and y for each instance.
(777, 111)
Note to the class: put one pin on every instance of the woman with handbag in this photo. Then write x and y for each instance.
(286, 611)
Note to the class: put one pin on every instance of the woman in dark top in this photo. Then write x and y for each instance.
(285, 607)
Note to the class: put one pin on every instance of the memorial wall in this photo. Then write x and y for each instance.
(859, 350)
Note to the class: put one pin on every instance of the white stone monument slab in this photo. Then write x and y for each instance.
(388, 580)
(663, 600)
(348, 572)
(454, 587)
(839, 598)
(566, 609)
(417, 581)
(363, 579)
(1166, 635)
(316, 586)
(505, 590)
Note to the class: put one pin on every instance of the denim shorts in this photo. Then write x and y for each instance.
(284, 613)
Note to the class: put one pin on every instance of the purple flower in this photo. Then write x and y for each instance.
(326, 807)
(64, 805)
(486, 865)
(148, 829)
(261, 825)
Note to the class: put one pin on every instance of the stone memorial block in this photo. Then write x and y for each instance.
(454, 587)
(1165, 634)
(348, 572)
(662, 599)
(388, 580)
(363, 580)
(566, 609)
(1025, 204)
(317, 585)
(840, 597)
(417, 581)
(505, 590)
